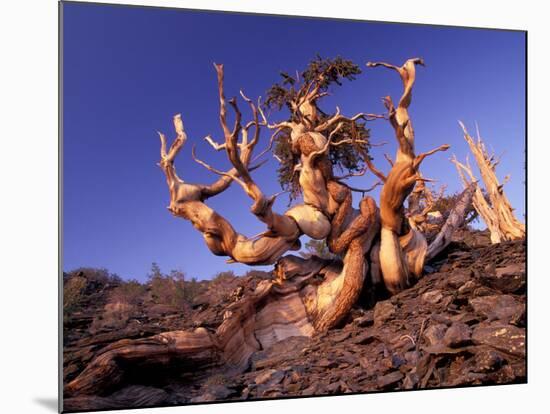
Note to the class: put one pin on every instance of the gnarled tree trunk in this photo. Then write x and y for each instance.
(402, 248)
(305, 295)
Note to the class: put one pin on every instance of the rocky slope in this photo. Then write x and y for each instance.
(462, 324)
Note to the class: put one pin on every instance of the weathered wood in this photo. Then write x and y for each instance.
(105, 370)
(305, 296)
(402, 250)
(334, 298)
(454, 221)
(498, 215)
(271, 313)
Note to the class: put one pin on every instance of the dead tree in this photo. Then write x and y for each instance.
(305, 295)
(454, 221)
(421, 212)
(495, 210)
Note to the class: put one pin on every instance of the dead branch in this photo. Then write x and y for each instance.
(454, 221)
(499, 215)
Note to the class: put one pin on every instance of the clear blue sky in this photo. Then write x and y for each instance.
(128, 70)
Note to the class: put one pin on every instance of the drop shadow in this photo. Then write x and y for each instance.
(49, 403)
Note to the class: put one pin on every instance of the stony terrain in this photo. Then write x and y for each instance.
(462, 324)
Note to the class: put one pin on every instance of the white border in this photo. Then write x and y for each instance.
(29, 155)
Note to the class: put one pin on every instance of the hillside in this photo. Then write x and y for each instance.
(463, 323)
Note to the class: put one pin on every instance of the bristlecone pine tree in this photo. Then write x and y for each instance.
(306, 295)
(495, 209)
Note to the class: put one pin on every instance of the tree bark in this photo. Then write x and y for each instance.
(454, 221)
(402, 249)
(305, 295)
(498, 215)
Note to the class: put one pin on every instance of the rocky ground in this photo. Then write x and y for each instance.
(462, 324)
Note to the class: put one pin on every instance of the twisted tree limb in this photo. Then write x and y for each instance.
(402, 249)
(305, 295)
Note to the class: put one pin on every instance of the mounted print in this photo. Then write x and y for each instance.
(259, 207)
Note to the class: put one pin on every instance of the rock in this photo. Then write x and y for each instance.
(410, 381)
(514, 268)
(295, 374)
(435, 333)
(473, 340)
(326, 363)
(363, 338)
(312, 390)
(466, 317)
(364, 363)
(397, 361)
(507, 279)
(341, 336)
(519, 368)
(459, 334)
(488, 360)
(293, 388)
(467, 287)
(441, 318)
(280, 351)
(140, 396)
(441, 349)
(336, 387)
(507, 338)
(483, 291)
(501, 307)
(365, 320)
(389, 379)
(412, 357)
(383, 311)
(214, 392)
(457, 280)
(432, 296)
(264, 376)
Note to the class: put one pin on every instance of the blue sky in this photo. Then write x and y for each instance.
(128, 70)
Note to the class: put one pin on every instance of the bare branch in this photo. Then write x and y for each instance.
(359, 173)
(407, 73)
(162, 145)
(378, 144)
(329, 142)
(461, 168)
(388, 158)
(238, 116)
(418, 160)
(279, 125)
(181, 138)
(375, 170)
(386, 65)
(337, 117)
(349, 141)
(223, 106)
(230, 174)
(213, 143)
(269, 147)
(361, 190)
(255, 121)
